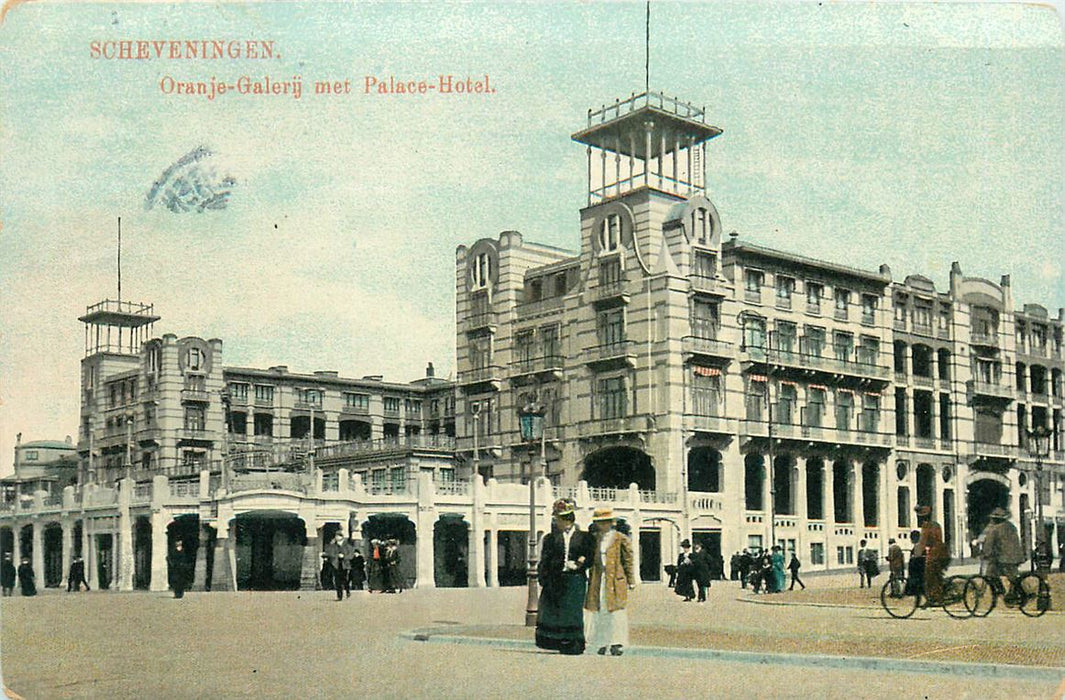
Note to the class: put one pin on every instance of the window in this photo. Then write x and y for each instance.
(611, 392)
(309, 397)
(901, 412)
(900, 311)
(194, 359)
(814, 292)
(524, 349)
(943, 362)
(903, 500)
(154, 359)
(481, 272)
(817, 553)
(30, 455)
(610, 272)
(944, 416)
(264, 395)
(844, 555)
(549, 343)
(844, 410)
(985, 321)
(195, 418)
(480, 352)
(754, 333)
(412, 407)
(706, 391)
(785, 288)
(610, 234)
(704, 264)
(843, 346)
(814, 341)
(869, 350)
(611, 327)
(944, 320)
(359, 403)
(815, 406)
(786, 402)
(868, 309)
(754, 280)
(843, 298)
(1021, 336)
(1039, 338)
(786, 337)
(391, 404)
(870, 413)
(704, 319)
(755, 399)
(700, 223)
(922, 316)
(238, 393)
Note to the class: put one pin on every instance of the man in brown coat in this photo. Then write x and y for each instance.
(935, 552)
(608, 586)
(1002, 550)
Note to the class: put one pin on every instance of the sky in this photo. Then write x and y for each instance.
(862, 133)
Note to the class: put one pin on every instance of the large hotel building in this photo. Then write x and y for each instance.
(703, 385)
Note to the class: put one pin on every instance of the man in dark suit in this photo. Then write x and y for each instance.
(701, 570)
(76, 577)
(339, 552)
(7, 575)
(178, 563)
(565, 557)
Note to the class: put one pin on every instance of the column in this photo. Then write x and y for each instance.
(859, 503)
(68, 549)
(224, 566)
(38, 552)
(426, 520)
(88, 552)
(801, 511)
(937, 509)
(311, 563)
(492, 556)
(768, 506)
(634, 501)
(159, 575)
(16, 554)
(829, 499)
(125, 537)
(476, 559)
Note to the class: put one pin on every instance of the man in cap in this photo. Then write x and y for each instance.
(7, 575)
(611, 580)
(936, 556)
(565, 555)
(1002, 550)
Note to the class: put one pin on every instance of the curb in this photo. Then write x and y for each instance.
(962, 669)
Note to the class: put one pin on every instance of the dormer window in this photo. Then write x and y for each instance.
(482, 271)
(700, 226)
(610, 234)
(194, 359)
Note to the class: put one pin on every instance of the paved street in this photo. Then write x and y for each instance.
(307, 645)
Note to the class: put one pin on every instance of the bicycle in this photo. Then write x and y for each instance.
(1029, 592)
(900, 601)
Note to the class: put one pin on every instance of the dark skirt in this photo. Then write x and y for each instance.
(560, 621)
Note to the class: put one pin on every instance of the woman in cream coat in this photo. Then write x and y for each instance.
(611, 579)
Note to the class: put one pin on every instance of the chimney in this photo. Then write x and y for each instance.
(429, 372)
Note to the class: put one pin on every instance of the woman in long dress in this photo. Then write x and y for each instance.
(778, 569)
(609, 584)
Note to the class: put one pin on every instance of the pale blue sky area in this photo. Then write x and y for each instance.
(860, 133)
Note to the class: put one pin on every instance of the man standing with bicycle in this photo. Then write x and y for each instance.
(1002, 550)
(936, 555)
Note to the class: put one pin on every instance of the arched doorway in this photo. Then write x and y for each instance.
(25, 543)
(783, 499)
(7, 542)
(617, 467)
(185, 528)
(704, 470)
(871, 493)
(451, 537)
(386, 526)
(53, 555)
(753, 480)
(269, 550)
(841, 491)
(926, 487)
(815, 488)
(984, 495)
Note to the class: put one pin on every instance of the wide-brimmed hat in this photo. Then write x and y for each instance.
(923, 510)
(563, 506)
(1000, 513)
(685, 543)
(603, 514)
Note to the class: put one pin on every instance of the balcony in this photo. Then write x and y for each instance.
(547, 368)
(488, 377)
(899, 324)
(752, 295)
(196, 434)
(639, 423)
(814, 433)
(816, 363)
(264, 401)
(706, 284)
(195, 396)
(481, 322)
(994, 450)
(238, 399)
(989, 389)
(985, 339)
(709, 424)
(301, 405)
(841, 313)
(922, 328)
(611, 293)
(706, 347)
(618, 354)
(538, 308)
(924, 443)
(923, 381)
(784, 303)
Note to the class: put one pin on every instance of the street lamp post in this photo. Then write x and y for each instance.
(1039, 449)
(531, 421)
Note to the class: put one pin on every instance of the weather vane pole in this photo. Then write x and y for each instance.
(120, 258)
(647, 51)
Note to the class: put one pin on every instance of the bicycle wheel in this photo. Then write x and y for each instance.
(1035, 595)
(954, 597)
(896, 601)
(980, 598)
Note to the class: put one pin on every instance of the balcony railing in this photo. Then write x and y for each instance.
(982, 338)
(705, 283)
(622, 350)
(609, 426)
(361, 447)
(610, 290)
(707, 346)
(277, 481)
(978, 388)
(819, 362)
(478, 375)
(195, 395)
(753, 295)
(709, 424)
(536, 365)
(453, 487)
(987, 449)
